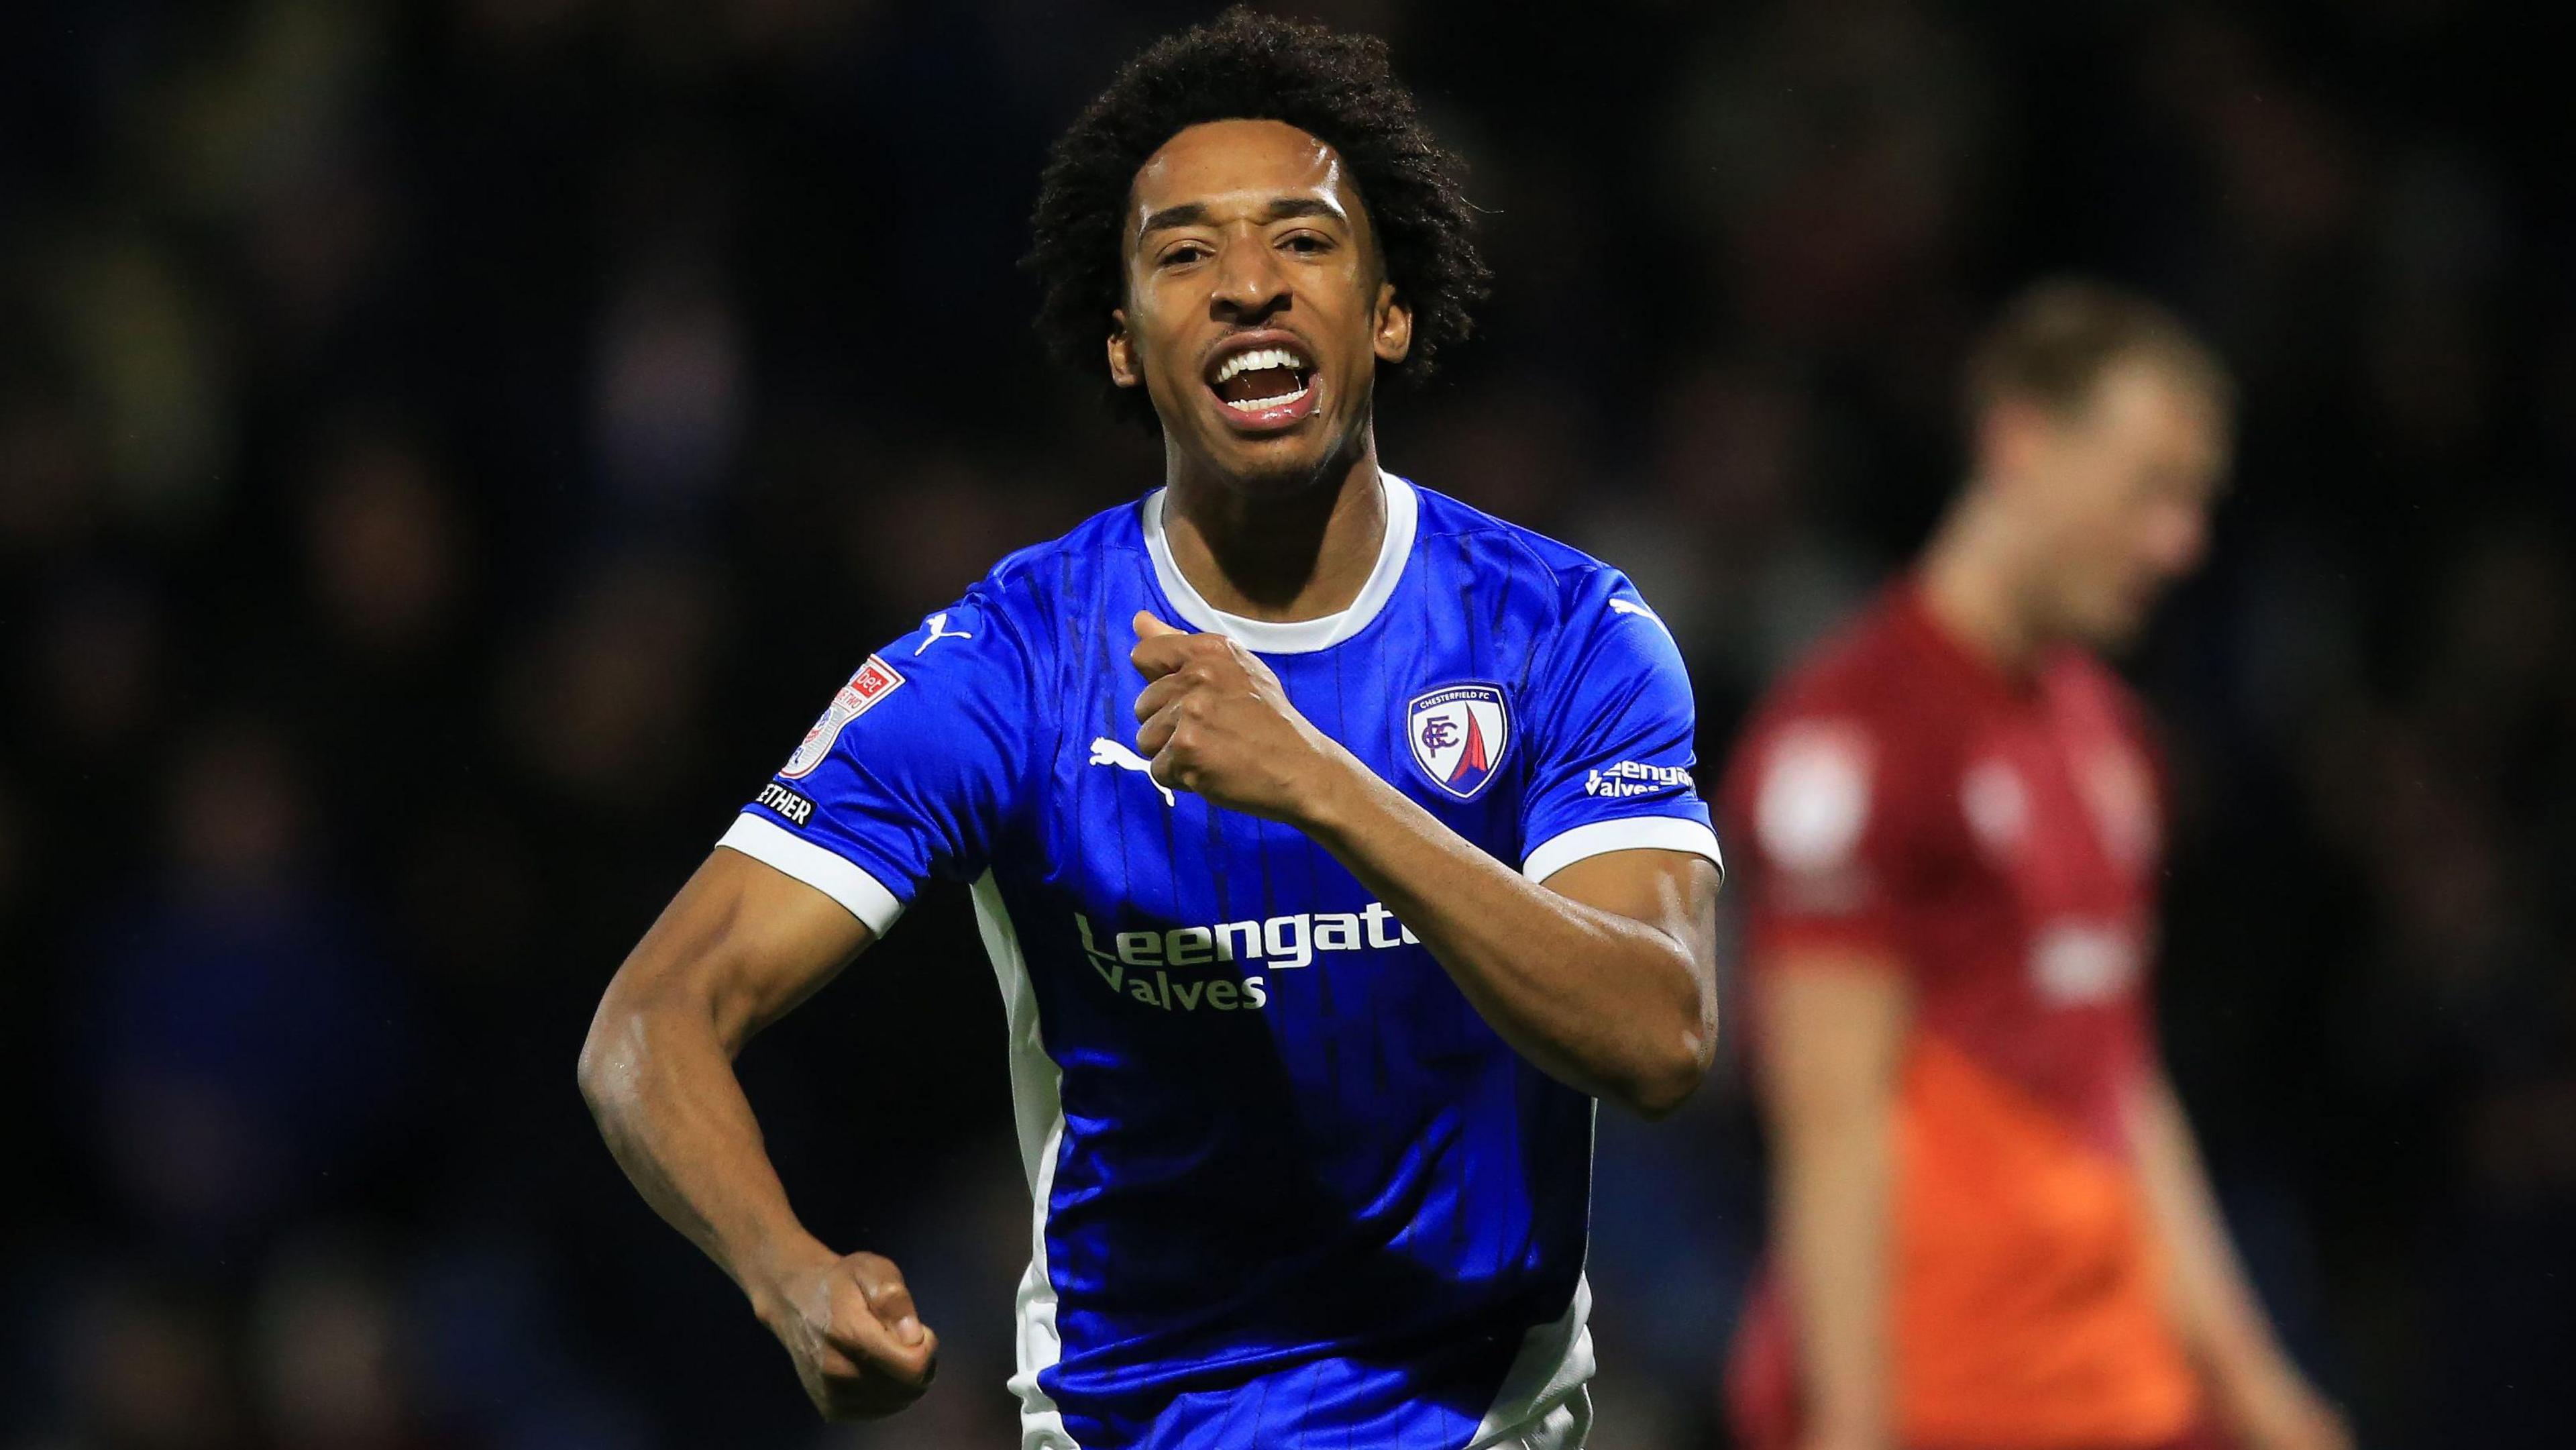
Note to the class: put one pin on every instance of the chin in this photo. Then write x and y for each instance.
(1277, 474)
(2114, 629)
(1277, 466)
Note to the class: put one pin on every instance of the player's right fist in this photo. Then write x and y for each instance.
(859, 1345)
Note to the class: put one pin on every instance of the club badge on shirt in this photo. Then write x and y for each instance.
(1458, 734)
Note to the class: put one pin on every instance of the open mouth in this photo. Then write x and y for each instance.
(1264, 384)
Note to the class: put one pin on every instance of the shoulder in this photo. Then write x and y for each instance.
(1574, 584)
(1870, 670)
(1595, 649)
(1587, 621)
(1863, 697)
(1043, 573)
(1028, 595)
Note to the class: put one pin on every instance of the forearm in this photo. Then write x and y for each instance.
(661, 1084)
(2214, 1307)
(1830, 1219)
(1601, 1001)
(1834, 1026)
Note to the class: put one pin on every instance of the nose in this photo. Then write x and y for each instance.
(1250, 285)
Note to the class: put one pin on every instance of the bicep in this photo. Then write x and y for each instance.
(1831, 1026)
(1674, 892)
(745, 942)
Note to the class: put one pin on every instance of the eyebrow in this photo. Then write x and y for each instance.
(1191, 214)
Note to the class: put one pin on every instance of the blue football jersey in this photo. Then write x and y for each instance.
(1290, 1188)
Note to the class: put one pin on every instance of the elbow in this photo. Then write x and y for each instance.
(590, 1071)
(610, 1053)
(1658, 1086)
(1679, 1050)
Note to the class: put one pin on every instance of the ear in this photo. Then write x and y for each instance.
(1394, 332)
(1124, 369)
(2010, 437)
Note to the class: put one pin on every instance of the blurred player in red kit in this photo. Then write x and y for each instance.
(1990, 1225)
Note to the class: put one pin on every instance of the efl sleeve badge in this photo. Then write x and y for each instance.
(875, 680)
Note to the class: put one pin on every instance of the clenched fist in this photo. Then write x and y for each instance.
(1216, 722)
(860, 1347)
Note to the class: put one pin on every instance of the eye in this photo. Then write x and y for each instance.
(1305, 242)
(1183, 253)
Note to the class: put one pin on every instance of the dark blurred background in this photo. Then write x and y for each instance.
(449, 451)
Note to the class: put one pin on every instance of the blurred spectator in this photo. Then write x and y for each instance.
(240, 1040)
(98, 673)
(671, 386)
(331, 1361)
(148, 1370)
(48, 478)
(603, 702)
(384, 552)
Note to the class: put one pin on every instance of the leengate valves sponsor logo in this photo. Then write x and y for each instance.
(1632, 778)
(1169, 969)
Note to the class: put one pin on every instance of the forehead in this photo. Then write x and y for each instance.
(2145, 400)
(1218, 164)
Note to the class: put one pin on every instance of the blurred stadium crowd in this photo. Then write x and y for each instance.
(448, 451)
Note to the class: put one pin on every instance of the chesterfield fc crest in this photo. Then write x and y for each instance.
(1458, 734)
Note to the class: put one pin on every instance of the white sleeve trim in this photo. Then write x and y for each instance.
(1628, 833)
(772, 844)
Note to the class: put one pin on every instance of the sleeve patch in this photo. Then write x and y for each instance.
(874, 681)
(1814, 798)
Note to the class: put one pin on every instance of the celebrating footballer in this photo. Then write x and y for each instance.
(1276, 793)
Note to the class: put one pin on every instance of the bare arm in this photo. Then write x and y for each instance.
(738, 947)
(1832, 1040)
(1605, 976)
(2267, 1400)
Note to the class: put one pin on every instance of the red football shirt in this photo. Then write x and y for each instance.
(1996, 840)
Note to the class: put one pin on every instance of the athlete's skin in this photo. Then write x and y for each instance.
(2070, 527)
(1239, 232)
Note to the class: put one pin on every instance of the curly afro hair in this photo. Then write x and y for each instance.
(1242, 66)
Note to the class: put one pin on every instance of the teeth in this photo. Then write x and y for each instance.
(1263, 405)
(1257, 358)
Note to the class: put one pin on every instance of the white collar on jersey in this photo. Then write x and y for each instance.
(1300, 636)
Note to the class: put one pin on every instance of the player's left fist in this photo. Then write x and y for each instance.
(848, 1322)
(1215, 721)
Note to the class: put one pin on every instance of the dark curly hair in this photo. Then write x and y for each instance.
(1336, 88)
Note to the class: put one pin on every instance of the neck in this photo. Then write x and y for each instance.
(1299, 553)
(1972, 585)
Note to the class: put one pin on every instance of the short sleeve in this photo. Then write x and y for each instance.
(1611, 741)
(910, 771)
(1818, 814)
